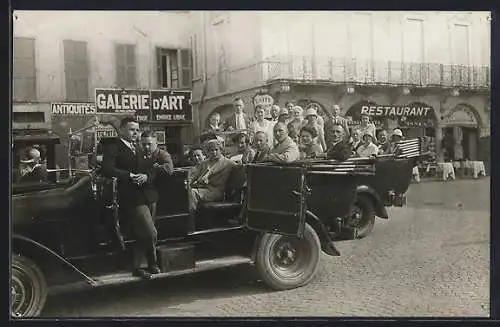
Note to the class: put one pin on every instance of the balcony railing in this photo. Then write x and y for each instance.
(351, 71)
(304, 68)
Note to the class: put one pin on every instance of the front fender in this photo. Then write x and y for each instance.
(52, 264)
(372, 194)
(324, 236)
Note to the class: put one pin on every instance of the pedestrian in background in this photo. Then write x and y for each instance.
(262, 125)
(312, 122)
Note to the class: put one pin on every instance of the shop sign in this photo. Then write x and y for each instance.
(105, 131)
(146, 105)
(265, 100)
(416, 123)
(396, 111)
(70, 108)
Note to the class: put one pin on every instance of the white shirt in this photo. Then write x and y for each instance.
(266, 127)
(240, 121)
(128, 144)
(367, 150)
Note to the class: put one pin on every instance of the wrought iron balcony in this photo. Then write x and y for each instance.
(355, 71)
(350, 71)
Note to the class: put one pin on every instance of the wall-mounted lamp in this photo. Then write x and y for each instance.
(406, 91)
(285, 88)
(350, 90)
(455, 92)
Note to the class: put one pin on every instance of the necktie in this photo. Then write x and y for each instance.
(256, 156)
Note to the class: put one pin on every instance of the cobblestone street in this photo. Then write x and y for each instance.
(429, 259)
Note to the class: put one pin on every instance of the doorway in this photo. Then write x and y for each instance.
(470, 143)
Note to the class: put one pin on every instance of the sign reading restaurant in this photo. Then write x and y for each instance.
(387, 111)
(146, 105)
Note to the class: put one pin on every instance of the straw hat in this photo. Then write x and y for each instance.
(397, 132)
(311, 112)
(283, 111)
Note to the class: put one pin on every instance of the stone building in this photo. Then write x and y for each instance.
(386, 62)
(63, 56)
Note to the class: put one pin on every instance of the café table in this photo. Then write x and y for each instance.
(447, 169)
(477, 168)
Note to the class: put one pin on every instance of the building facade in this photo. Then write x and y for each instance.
(62, 57)
(425, 72)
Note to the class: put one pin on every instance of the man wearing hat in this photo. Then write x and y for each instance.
(368, 148)
(312, 122)
(31, 170)
(283, 116)
(397, 136)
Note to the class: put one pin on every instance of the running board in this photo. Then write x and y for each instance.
(202, 265)
(215, 230)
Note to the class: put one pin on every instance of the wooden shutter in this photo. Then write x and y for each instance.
(185, 68)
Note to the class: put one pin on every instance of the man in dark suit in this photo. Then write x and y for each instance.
(239, 120)
(339, 149)
(261, 147)
(136, 193)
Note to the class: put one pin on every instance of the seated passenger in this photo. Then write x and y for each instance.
(285, 149)
(309, 149)
(31, 169)
(244, 153)
(196, 155)
(339, 149)
(368, 148)
(261, 146)
(208, 179)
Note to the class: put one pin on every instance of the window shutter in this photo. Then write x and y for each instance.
(185, 66)
(158, 67)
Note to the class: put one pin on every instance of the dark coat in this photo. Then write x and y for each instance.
(261, 156)
(231, 122)
(119, 161)
(340, 151)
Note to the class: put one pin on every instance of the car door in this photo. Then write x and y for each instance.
(276, 201)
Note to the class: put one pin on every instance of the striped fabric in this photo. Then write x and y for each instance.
(353, 166)
(409, 148)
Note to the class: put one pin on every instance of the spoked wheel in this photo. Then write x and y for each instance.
(285, 262)
(28, 288)
(362, 216)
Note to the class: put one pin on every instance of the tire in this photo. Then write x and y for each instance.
(282, 273)
(28, 288)
(366, 219)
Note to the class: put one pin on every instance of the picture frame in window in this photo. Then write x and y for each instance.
(160, 136)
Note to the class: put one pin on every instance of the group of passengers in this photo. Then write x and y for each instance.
(280, 138)
(290, 134)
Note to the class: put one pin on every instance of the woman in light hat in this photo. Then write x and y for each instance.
(396, 137)
(368, 148)
(283, 116)
(312, 121)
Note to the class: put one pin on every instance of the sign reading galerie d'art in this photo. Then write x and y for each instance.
(146, 105)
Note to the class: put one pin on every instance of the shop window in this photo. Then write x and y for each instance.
(76, 70)
(125, 65)
(24, 69)
(174, 68)
(28, 117)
